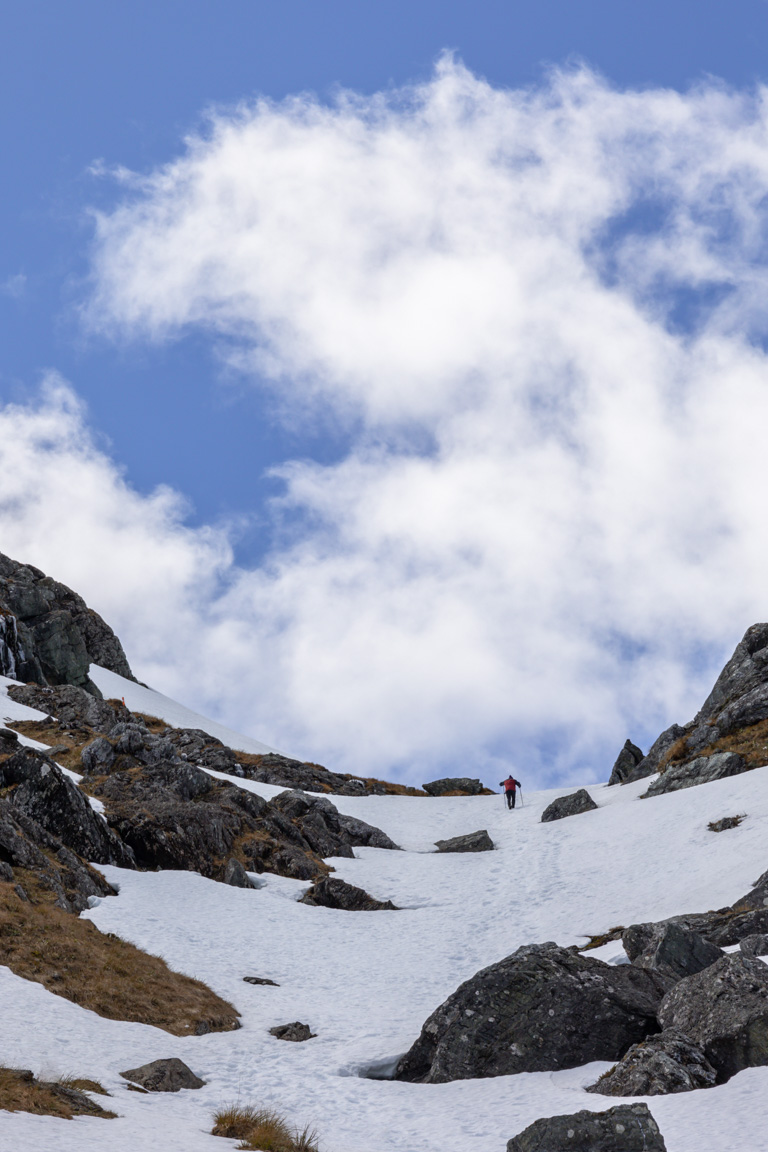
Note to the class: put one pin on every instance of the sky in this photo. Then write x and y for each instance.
(392, 377)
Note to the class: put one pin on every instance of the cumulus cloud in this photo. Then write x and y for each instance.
(542, 314)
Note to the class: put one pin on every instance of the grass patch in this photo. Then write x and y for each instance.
(21, 1092)
(99, 970)
(726, 823)
(262, 1130)
(603, 938)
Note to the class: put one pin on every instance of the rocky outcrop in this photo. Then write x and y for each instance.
(164, 1076)
(73, 707)
(335, 893)
(662, 1064)
(625, 1128)
(326, 830)
(756, 945)
(471, 842)
(676, 952)
(235, 875)
(702, 770)
(657, 755)
(572, 805)
(272, 768)
(626, 764)
(724, 1010)
(541, 1009)
(296, 1032)
(49, 634)
(454, 785)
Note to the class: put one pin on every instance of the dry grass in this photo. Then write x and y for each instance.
(725, 823)
(21, 1092)
(100, 971)
(80, 1084)
(51, 734)
(751, 743)
(262, 1130)
(604, 938)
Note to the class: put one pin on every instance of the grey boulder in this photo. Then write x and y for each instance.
(335, 893)
(448, 784)
(676, 951)
(236, 875)
(539, 1010)
(471, 842)
(656, 756)
(572, 805)
(756, 945)
(701, 770)
(662, 1064)
(724, 1009)
(295, 1032)
(625, 1128)
(163, 1076)
(626, 763)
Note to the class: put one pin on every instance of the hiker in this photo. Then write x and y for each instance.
(510, 785)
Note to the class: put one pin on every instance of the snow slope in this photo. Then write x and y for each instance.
(366, 982)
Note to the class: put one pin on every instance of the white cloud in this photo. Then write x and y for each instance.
(544, 309)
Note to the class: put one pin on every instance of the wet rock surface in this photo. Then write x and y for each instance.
(572, 805)
(626, 764)
(334, 893)
(164, 1076)
(724, 1010)
(625, 1128)
(541, 1009)
(662, 1064)
(478, 841)
(462, 785)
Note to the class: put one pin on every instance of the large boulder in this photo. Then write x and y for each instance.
(625, 1128)
(661, 1064)
(541, 1009)
(335, 893)
(626, 763)
(724, 1010)
(461, 785)
(701, 770)
(164, 1076)
(478, 841)
(572, 805)
(677, 952)
(756, 945)
(328, 831)
(756, 898)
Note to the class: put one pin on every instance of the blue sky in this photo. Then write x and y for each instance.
(406, 428)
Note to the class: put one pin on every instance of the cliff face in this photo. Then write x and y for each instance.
(48, 634)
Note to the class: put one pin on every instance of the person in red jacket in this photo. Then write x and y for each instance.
(510, 785)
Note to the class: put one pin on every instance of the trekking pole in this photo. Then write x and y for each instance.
(522, 801)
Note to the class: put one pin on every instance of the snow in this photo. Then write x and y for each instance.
(365, 982)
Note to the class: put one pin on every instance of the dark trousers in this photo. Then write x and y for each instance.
(511, 798)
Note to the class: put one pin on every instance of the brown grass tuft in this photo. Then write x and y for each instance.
(603, 938)
(262, 1130)
(21, 1092)
(725, 823)
(100, 971)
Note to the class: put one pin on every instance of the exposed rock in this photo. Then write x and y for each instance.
(572, 805)
(272, 768)
(723, 928)
(260, 980)
(9, 742)
(677, 952)
(164, 1076)
(49, 634)
(702, 770)
(724, 1009)
(296, 1032)
(665, 1063)
(754, 945)
(541, 1009)
(625, 1128)
(98, 756)
(626, 763)
(726, 823)
(757, 897)
(47, 1097)
(656, 754)
(326, 830)
(461, 784)
(471, 842)
(73, 707)
(44, 793)
(334, 893)
(236, 875)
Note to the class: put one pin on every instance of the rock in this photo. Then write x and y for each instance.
(757, 898)
(72, 706)
(260, 980)
(724, 1009)
(272, 768)
(740, 694)
(625, 1128)
(9, 741)
(297, 1032)
(677, 952)
(657, 754)
(334, 893)
(97, 757)
(236, 875)
(164, 1076)
(44, 793)
(50, 635)
(754, 945)
(726, 823)
(471, 842)
(702, 770)
(462, 784)
(6, 872)
(572, 805)
(626, 763)
(539, 1010)
(662, 1064)
(326, 830)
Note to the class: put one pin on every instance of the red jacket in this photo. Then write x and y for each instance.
(510, 784)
